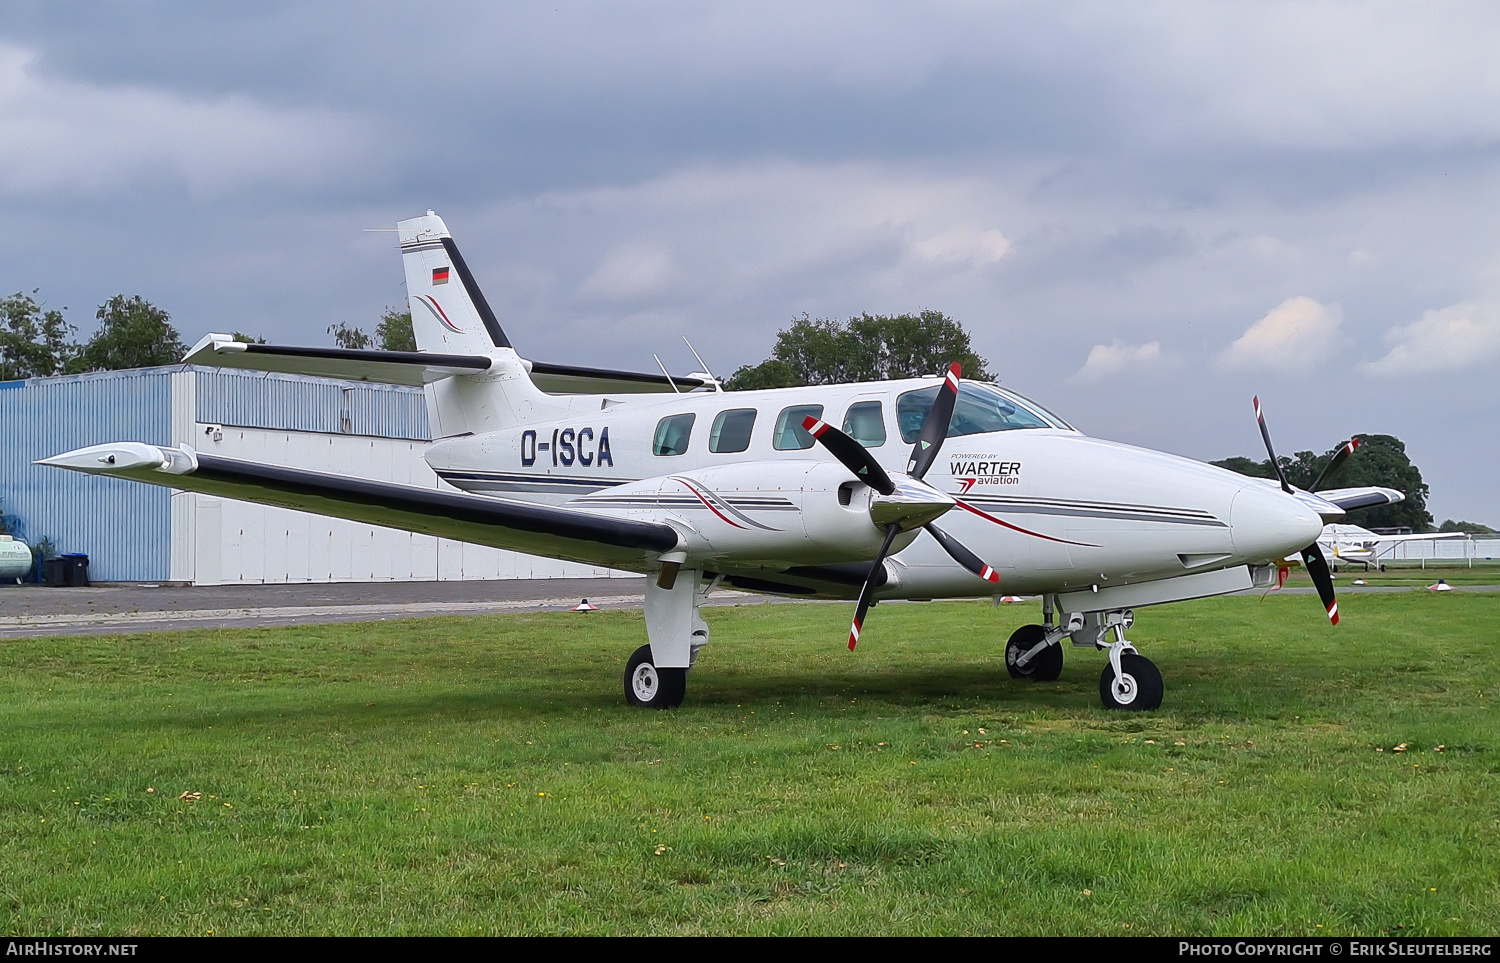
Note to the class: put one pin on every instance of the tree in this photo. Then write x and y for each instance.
(133, 333)
(244, 338)
(394, 332)
(347, 337)
(1471, 528)
(1381, 461)
(866, 348)
(33, 343)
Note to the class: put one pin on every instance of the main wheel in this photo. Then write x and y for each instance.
(1139, 687)
(1045, 666)
(650, 687)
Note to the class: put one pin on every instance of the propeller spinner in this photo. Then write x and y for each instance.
(906, 502)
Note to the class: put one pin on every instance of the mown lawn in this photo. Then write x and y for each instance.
(482, 775)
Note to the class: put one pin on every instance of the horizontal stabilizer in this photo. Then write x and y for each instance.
(499, 523)
(1350, 499)
(386, 367)
(417, 368)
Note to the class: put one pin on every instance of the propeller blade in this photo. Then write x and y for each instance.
(851, 454)
(962, 555)
(867, 593)
(1345, 450)
(1266, 434)
(935, 426)
(1317, 567)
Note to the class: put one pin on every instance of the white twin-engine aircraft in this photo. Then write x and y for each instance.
(700, 488)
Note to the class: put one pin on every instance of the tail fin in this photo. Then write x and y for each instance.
(448, 311)
(450, 315)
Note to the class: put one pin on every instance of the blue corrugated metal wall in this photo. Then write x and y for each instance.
(124, 527)
(252, 399)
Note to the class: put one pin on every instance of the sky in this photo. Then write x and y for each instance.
(1144, 213)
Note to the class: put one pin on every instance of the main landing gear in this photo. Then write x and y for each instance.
(656, 674)
(1129, 681)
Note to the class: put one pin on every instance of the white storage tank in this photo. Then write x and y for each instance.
(15, 558)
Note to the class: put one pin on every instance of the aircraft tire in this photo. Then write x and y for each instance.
(649, 687)
(1142, 689)
(1047, 665)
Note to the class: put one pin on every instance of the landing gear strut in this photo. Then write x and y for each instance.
(1031, 654)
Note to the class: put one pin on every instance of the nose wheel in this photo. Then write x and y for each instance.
(1135, 684)
(650, 686)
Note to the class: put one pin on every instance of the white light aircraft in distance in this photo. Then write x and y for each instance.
(701, 489)
(1350, 544)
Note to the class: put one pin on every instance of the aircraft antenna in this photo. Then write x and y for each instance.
(669, 377)
(703, 364)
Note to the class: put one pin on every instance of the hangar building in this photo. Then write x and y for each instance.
(143, 533)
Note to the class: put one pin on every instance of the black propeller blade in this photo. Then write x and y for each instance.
(867, 593)
(1270, 450)
(935, 426)
(851, 454)
(1345, 450)
(1317, 567)
(961, 555)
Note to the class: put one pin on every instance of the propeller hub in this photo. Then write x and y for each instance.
(911, 505)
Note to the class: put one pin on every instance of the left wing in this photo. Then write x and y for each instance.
(1350, 499)
(500, 523)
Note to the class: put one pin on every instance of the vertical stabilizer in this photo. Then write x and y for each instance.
(450, 315)
(448, 311)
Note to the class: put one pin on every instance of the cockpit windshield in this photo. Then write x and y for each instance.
(980, 407)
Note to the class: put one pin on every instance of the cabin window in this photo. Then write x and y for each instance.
(980, 408)
(731, 431)
(865, 423)
(790, 435)
(672, 434)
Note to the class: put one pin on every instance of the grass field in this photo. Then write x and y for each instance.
(483, 775)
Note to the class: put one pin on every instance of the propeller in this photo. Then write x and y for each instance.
(1312, 555)
(1345, 450)
(909, 504)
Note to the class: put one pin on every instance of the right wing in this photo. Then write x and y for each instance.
(500, 523)
(1350, 499)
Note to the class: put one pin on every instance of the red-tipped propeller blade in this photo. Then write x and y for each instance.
(1270, 450)
(935, 426)
(1345, 450)
(1317, 567)
(867, 593)
(962, 555)
(851, 454)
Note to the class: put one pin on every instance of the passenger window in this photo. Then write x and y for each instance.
(865, 423)
(672, 434)
(731, 431)
(790, 435)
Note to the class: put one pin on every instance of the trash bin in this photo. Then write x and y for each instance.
(66, 571)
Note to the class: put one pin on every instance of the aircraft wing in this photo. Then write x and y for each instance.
(1419, 537)
(1350, 499)
(500, 523)
(417, 368)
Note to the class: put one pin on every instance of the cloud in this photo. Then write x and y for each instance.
(1445, 339)
(1294, 336)
(629, 272)
(1108, 359)
(963, 244)
(67, 137)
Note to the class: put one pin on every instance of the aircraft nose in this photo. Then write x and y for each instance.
(1266, 523)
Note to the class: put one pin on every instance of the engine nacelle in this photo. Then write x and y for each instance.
(800, 512)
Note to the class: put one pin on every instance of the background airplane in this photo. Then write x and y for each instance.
(1351, 544)
(704, 489)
